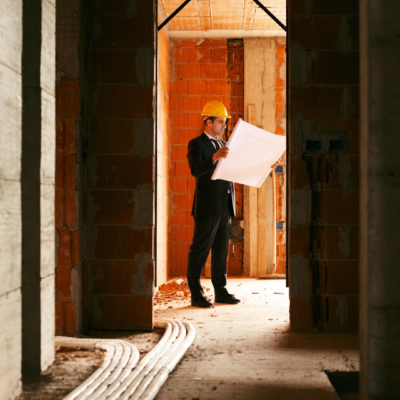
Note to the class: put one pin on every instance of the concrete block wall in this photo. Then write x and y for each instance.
(202, 70)
(119, 164)
(67, 168)
(324, 157)
(163, 154)
(10, 198)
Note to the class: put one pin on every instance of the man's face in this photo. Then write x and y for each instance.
(218, 126)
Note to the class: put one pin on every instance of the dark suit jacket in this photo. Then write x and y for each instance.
(211, 197)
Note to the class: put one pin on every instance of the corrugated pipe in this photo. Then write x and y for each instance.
(121, 376)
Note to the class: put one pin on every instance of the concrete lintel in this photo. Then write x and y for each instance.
(227, 33)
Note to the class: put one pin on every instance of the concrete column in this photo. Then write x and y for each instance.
(259, 104)
(37, 185)
(10, 197)
(380, 199)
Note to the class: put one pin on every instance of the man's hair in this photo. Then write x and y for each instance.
(212, 119)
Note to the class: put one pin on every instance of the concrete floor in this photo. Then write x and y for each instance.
(247, 351)
(244, 351)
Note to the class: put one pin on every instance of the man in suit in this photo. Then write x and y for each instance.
(213, 208)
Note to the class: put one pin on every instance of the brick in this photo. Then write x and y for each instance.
(69, 136)
(203, 43)
(179, 153)
(123, 101)
(63, 283)
(178, 267)
(69, 319)
(339, 277)
(182, 201)
(221, 87)
(69, 209)
(174, 103)
(178, 250)
(113, 277)
(199, 55)
(179, 87)
(219, 56)
(189, 71)
(198, 87)
(59, 135)
(59, 320)
(59, 209)
(179, 120)
(64, 246)
(213, 71)
(121, 242)
(301, 312)
(188, 43)
(75, 246)
(109, 172)
(280, 267)
(178, 217)
(181, 55)
(181, 234)
(191, 185)
(122, 32)
(188, 103)
(178, 185)
(67, 99)
(236, 56)
(235, 267)
(280, 52)
(123, 313)
(59, 178)
(189, 218)
(195, 120)
(70, 173)
(300, 241)
(219, 42)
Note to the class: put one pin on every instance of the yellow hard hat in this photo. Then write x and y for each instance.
(215, 108)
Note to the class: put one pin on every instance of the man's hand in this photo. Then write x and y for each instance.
(277, 163)
(221, 153)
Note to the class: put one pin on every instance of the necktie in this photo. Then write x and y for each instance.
(217, 146)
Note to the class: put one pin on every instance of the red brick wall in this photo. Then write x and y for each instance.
(118, 202)
(280, 179)
(66, 183)
(324, 180)
(202, 70)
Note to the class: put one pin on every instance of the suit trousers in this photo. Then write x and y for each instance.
(209, 233)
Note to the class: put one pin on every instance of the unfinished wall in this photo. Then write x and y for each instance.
(67, 168)
(323, 165)
(37, 185)
(202, 70)
(10, 197)
(280, 175)
(119, 164)
(380, 199)
(163, 154)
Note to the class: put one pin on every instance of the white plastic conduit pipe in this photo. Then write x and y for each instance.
(120, 376)
(168, 367)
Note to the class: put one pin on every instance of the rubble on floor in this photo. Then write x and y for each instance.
(176, 290)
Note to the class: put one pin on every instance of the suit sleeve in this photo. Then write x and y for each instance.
(197, 165)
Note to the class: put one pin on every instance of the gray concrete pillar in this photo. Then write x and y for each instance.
(37, 184)
(380, 199)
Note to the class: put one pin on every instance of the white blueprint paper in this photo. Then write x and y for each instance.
(252, 151)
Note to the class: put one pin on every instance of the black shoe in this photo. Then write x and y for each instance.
(227, 299)
(202, 302)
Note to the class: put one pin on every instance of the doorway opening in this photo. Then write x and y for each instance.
(239, 60)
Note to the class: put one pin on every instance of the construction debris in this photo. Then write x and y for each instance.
(175, 290)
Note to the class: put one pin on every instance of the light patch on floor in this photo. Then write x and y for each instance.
(247, 351)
